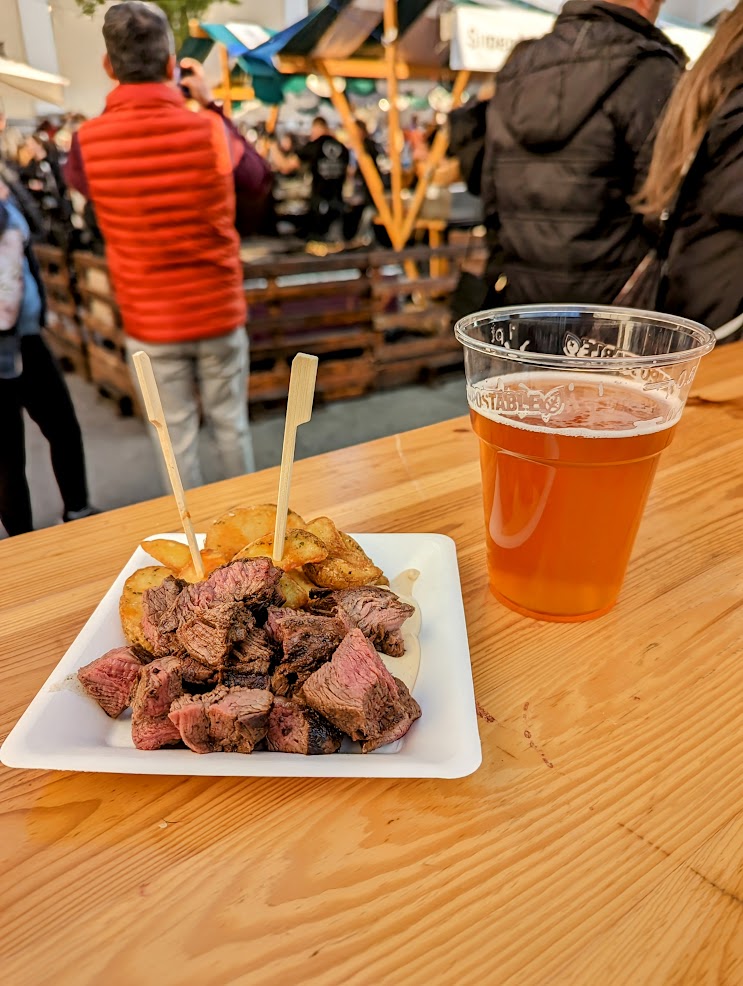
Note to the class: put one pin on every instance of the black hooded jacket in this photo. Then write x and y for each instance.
(570, 132)
(705, 265)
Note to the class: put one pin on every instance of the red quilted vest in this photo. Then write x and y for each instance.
(161, 183)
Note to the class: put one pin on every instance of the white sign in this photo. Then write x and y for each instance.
(483, 37)
(251, 35)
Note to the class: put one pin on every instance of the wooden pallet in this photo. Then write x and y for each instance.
(369, 323)
(290, 310)
(102, 323)
(412, 359)
(64, 333)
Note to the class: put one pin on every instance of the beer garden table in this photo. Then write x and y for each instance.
(600, 841)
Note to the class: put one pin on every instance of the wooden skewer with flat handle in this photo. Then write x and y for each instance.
(298, 412)
(154, 409)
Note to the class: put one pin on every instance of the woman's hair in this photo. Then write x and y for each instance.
(697, 97)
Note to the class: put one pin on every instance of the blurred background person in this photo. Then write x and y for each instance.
(327, 159)
(31, 380)
(41, 174)
(283, 155)
(704, 122)
(569, 138)
(360, 210)
(174, 260)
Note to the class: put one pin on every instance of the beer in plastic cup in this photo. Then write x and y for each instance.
(573, 406)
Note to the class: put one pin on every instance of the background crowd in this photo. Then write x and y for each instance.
(608, 172)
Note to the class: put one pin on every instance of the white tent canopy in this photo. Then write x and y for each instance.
(482, 37)
(33, 82)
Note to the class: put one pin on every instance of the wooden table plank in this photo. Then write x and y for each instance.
(599, 842)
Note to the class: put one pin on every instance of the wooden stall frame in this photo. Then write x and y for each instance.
(398, 222)
(389, 41)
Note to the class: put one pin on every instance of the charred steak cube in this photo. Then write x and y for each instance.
(402, 718)
(210, 636)
(193, 672)
(377, 612)
(155, 603)
(110, 679)
(207, 618)
(254, 653)
(188, 715)
(158, 687)
(253, 582)
(245, 679)
(307, 641)
(293, 728)
(358, 695)
(229, 719)
(239, 720)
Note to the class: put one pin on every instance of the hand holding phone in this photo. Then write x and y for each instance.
(192, 82)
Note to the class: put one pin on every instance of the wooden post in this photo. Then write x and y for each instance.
(273, 119)
(438, 149)
(195, 29)
(367, 166)
(394, 132)
(224, 61)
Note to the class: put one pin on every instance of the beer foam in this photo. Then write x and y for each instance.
(542, 394)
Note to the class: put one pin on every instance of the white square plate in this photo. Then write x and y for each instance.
(63, 729)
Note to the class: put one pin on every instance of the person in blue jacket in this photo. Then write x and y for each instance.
(30, 379)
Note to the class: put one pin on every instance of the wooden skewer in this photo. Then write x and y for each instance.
(298, 412)
(154, 409)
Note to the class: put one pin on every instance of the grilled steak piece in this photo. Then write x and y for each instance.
(209, 636)
(158, 687)
(377, 612)
(194, 672)
(206, 618)
(397, 726)
(245, 679)
(239, 720)
(358, 694)
(254, 582)
(229, 719)
(254, 653)
(292, 728)
(307, 641)
(155, 603)
(188, 716)
(110, 679)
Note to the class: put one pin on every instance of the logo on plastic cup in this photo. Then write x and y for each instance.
(519, 402)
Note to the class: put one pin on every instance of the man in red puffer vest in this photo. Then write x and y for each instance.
(163, 181)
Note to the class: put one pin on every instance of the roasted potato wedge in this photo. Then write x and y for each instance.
(173, 554)
(130, 604)
(351, 568)
(339, 573)
(210, 559)
(296, 588)
(300, 548)
(325, 529)
(242, 526)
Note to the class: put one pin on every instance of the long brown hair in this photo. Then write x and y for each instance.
(697, 97)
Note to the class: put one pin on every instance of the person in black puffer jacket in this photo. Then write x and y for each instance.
(569, 140)
(704, 118)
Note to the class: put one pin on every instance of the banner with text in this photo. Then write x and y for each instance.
(482, 37)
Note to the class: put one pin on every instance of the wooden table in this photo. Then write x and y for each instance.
(600, 842)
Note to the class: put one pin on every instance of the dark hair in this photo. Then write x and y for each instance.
(320, 121)
(139, 41)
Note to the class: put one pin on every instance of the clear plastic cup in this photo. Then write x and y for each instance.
(573, 406)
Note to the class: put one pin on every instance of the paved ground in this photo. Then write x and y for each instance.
(122, 466)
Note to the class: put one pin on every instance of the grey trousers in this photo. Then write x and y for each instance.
(216, 370)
